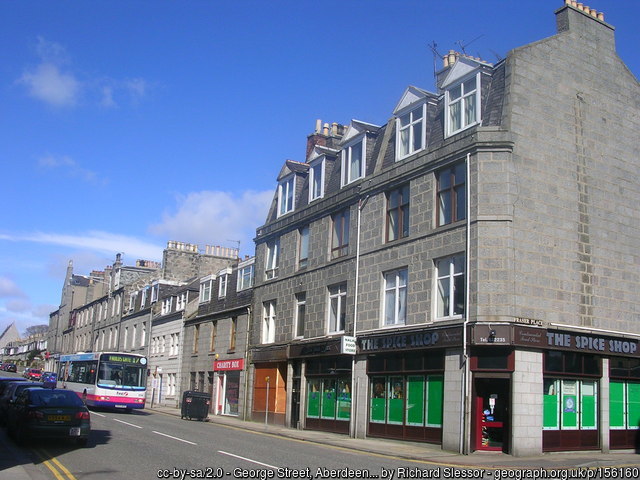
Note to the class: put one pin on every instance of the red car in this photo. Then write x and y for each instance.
(34, 374)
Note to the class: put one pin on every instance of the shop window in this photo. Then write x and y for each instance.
(570, 404)
(572, 363)
(624, 405)
(415, 400)
(329, 398)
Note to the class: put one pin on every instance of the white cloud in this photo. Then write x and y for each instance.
(97, 241)
(217, 218)
(70, 167)
(49, 84)
(9, 289)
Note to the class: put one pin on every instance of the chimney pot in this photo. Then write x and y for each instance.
(594, 13)
(581, 7)
(318, 125)
(601, 16)
(325, 130)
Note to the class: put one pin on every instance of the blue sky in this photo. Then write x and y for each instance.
(126, 124)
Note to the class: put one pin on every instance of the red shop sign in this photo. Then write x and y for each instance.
(237, 364)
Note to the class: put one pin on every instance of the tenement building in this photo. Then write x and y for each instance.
(467, 274)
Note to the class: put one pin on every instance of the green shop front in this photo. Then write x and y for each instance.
(591, 388)
(406, 378)
(327, 391)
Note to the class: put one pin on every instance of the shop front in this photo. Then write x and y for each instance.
(577, 368)
(406, 372)
(227, 380)
(327, 403)
(269, 385)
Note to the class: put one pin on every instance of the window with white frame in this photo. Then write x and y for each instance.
(463, 105)
(337, 308)
(223, 280)
(300, 313)
(234, 333)
(132, 301)
(271, 267)
(181, 301)
(450, 286)
(316, 179)
(269, 322)
(395, 297)
(143, 335)
(245, 275)
(410, 132)
(205, 289)
(134, 335)
(353, 162)
(155, 292)
(303, 246)
(125, 341)
(166, 305)
(286, 189)
(145, 295)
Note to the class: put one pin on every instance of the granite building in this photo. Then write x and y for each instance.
(467, 274)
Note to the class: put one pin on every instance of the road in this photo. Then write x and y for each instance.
(149, 445)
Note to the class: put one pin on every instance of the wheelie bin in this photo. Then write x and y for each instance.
(195, 405)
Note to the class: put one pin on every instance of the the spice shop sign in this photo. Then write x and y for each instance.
(586, 343)
(411, 341)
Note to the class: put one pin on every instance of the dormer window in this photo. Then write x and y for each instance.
(463, 105)
(410, 129)
(205, 289)
(223, 282)
(285, 195)
(316, 179)
(353, 161)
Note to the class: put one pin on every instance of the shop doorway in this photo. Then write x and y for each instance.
(491, 413)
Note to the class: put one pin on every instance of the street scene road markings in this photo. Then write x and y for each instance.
(127, 423)
(98, 414)
(175, 438)
(248, 460)
(51, 463)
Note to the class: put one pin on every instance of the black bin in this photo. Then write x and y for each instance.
(195, 405)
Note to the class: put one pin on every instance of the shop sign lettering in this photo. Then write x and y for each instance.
(396, 342)
(237, 364)
(594, 344)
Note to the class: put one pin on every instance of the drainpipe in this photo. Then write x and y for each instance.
(464, 447)
(354, 430)
(246, 365)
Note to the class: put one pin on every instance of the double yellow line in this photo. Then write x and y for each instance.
(58, 469)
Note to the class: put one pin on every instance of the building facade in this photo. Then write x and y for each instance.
(479, 251)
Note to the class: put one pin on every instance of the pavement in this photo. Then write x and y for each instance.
(433, 455)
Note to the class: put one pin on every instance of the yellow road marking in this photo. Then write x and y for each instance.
(51, 463)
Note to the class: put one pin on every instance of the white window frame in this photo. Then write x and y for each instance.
(246, 274)
(132, 300)
(462, 100)
(271, 260)
(396, 291)
(409, 127)
(269, 322)
(347, 152)
(223, 283)
(301, 302)
(181, 301)
(303, 246)
(155, 292)
(445, 273)
(316, 169)
(339, 294)
(143, 300)
(166, 305)
(206, 285)
(286, 195)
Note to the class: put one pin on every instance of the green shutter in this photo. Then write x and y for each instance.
(616, 404)
(378, 410)
(313, 399)
(435, 398)
(344, 400)
(633, 400)
(396, 400)
(415, 401)
(328, 405)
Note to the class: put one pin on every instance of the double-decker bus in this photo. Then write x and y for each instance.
(105, 379)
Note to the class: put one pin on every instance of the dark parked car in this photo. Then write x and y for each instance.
(11, 391)
(6, 380)
(48, 413)
(11, 367)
